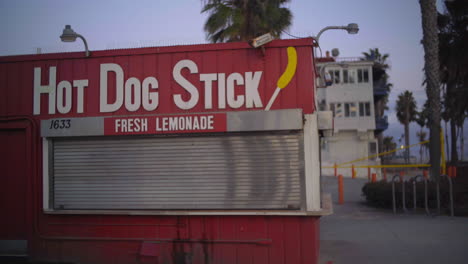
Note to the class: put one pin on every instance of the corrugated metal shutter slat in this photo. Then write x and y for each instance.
(236, 171)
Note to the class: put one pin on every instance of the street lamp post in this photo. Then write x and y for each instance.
(68, 35)
(352, 28)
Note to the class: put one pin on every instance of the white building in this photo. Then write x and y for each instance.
(349, 93)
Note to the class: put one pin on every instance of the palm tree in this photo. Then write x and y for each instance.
(380, 81)
(243, 20)
(375, 55)
(380, 67)
(453, 57)
(421, 137)
(462, 143)
(430, 43)
(406, 113)
(421, 120)
(389, 144)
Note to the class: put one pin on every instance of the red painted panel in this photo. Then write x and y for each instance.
(13, 177)
(305, 96)
(25, 80)
(218, 59)
(194, 239)
(120, 239)
(3, 89)
(12, 92)
(272, 72)
(310, 237)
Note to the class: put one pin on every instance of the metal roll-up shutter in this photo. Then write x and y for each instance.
(230, 171)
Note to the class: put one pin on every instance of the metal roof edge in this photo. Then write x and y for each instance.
(154, 50)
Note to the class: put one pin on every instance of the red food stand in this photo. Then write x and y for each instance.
(162, 155)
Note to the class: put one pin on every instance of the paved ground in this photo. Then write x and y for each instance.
(356, 233)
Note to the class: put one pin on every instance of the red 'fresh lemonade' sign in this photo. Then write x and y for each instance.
(165, 124)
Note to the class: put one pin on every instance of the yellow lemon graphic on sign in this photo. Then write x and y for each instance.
(286, 77)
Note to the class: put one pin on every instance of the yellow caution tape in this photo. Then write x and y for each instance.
(382, 153)
(380, 166)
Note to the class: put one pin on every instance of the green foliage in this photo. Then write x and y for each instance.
(453, 57)
(406, 108)
(379, 71)
(242, 20)
(388, 143)
(379, 194)
(421, 136)
(422, 118)
(406, 113)
(380, 63)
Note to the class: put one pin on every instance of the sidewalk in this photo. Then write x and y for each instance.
(356, 233)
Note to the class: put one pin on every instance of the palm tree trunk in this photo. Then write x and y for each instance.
(420, 154)
(431, 66)
(407, 156)
(420, 146)
(462, 150)
(407, 135)
(447, 147)
(451, 104)
(453, 137)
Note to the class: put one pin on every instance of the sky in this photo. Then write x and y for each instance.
(392, 26)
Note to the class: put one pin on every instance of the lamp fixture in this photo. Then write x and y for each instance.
(69, 35)
(351, 28)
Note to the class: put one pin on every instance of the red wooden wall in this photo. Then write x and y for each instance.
(144, 239)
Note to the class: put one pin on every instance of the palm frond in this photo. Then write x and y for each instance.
(241, 20)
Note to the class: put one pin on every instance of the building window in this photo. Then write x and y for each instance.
(353, 109)
(350, 110)
(363, 75)
(338, 109)
(335, 75)
(364, 109)
(348, 76)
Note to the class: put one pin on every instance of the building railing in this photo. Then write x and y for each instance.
(350, 59)
(380, 88)
(381, 123)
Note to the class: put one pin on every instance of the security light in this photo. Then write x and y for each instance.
(69, 35)
(335, 52)
(261, 40)
(352, 28)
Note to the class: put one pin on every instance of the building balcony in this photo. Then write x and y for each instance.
(360, 124)
(380, 90)
(381, 123)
